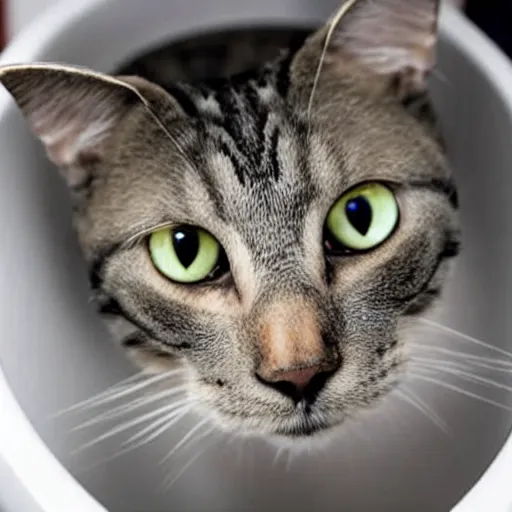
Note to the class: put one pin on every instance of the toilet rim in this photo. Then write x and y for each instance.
(33, 465)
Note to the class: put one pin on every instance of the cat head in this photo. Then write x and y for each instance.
(270, 232)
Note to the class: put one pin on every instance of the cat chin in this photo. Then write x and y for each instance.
(317, 441)
(317, 436)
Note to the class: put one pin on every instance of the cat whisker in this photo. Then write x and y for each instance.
(467, 376)
(441, 77)
(199, 437)
(232, 438)
(166, 486)
(133, 423)
(466, 337)
(186, 438)
(464, 368)
(443, 369)
(279, 452)
(119, 386)
(414, 400)
(483, 366)
(289, 461)
(457, 389)
(177, 416)
(167, 421)
(434, 361)
(490, 363)
(120, 390)
(130, 407)
(242, 445)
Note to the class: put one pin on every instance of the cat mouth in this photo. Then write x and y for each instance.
(300, 431)
(306, 425)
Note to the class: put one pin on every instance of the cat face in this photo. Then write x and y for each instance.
(271, 232)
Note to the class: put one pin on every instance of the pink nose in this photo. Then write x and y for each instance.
(298, 378)
(294, 359)
(302, 384)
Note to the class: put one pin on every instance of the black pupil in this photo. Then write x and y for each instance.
(186, 245)
(359, 213)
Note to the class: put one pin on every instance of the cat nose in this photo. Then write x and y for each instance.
(293, 356)
(300, 385)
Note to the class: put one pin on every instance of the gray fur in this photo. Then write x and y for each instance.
(243, 158)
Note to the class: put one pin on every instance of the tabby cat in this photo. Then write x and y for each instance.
(269, 231)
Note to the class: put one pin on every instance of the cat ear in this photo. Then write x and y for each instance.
(396, 38)
(74, 111)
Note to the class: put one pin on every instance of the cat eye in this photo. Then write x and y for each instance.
(362, 219)
(187, 254)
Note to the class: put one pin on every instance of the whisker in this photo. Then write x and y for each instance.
(183, 411)
(112, 395)
(448, 364)
(171, 482)
(441, 369)
(462, 391)
(470, 376)
(130, 406)
(167, 421)
(469, 366)
(200, 436)
(279, 451)
(289, 461)
(107, 392)
(241, 445)
(232, 438)
(129, 424)
(466, 337)
(199, 425)
(421, 406)
(441, 76)
(484, 366)
(469, 358)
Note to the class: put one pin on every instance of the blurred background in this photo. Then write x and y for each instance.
(493, 16)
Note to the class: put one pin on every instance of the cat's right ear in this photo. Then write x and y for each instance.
(393, 39)
(74, 111)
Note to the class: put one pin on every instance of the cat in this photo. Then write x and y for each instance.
(269, 231)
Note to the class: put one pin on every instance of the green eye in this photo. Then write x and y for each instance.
(362, 218)
(185, 254)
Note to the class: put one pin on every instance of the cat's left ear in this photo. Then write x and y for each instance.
(75, 112)
(392, 38)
